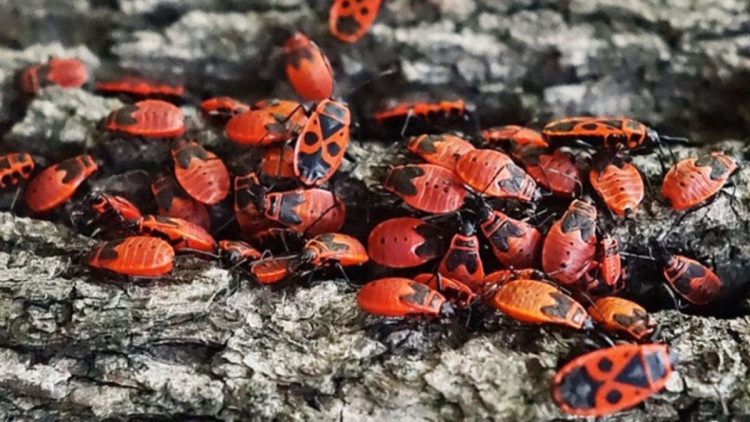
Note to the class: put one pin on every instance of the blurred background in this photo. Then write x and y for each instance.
(680, 66)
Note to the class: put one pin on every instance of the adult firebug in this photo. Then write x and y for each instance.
(601, 132)
(609, 380)
(322, 143)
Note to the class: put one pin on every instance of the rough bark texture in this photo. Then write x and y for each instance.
(203, 343)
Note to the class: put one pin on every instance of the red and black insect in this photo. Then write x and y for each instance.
(422, 117)
(113, 207)
(65, 73)
(618, 183)
(462, 261)
(349, 20)
(136, 256)
(235, 252)
(173, 201)
(290, 113)
(274, 270)
(322, 143)
(538, 302)
(426, 187)
(149, 119)
(247, 211)
(308, 69)
(570, 245)
(609, 262)
(256, 128)
(692, 280)
(518, 137)
(313, 211)
(181, 234)
(454, 291)
(405, 242)
(556, 171)
(140, 87)
(500, 277)
(493, 173)
(58, 183)
(222, 108)
(515, 243)
(400, 297)
(621, 315)
(609, 380)
(694, 181)
(200, 172)
(610, 133)
(15, 167)
(277, 163)
(324, 250)
(443, 150)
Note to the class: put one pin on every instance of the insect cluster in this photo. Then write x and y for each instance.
(465, 231)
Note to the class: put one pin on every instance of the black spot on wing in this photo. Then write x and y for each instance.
(347, 25)
(574, 220)
(578, 389)
(333, 149)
